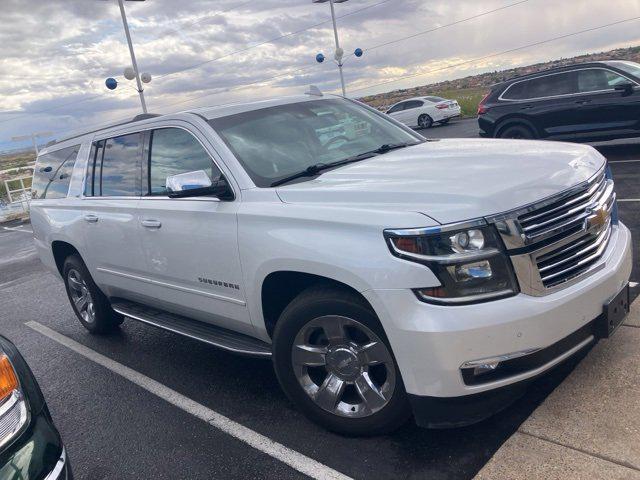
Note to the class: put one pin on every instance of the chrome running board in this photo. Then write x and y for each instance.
(204, 332)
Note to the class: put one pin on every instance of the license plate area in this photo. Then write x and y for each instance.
(613, 313)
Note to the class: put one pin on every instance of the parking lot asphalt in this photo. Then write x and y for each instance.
(117, 427)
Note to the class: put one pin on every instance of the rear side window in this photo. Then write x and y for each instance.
(413, 104)
(117, 173)
(52, 173)
(173, 151)
(517, 91)
(552, 85)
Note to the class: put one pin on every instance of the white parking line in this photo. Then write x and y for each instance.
(628, 199)
(294, 459)
(623, 161)
(15, 229)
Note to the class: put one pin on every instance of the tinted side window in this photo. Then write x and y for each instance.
(52, 173)
(597, 79)
(120, 172)
(552, 85)
(397, 108)
(517, 91)
(175, 151)
(413, 104)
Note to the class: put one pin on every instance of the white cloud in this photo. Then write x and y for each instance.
(58, 52)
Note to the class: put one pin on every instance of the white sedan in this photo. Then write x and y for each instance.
(423, 112)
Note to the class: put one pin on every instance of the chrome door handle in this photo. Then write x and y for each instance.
(91, 218)
(151, 223)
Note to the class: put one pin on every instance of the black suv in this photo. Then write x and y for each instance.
(585, 102)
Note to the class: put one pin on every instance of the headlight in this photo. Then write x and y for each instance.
(13, 406)
(468, 259)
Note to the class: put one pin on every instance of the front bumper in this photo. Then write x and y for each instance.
(431, 342)
(37, 453)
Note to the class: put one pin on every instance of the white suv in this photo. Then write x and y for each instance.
(385, 275)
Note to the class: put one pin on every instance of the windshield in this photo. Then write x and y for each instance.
(276, 142)
(631, 68)
(435, 99)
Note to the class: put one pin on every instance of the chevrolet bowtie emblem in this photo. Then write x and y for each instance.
(598, 218)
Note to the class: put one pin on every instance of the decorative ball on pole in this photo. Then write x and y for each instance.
(320, 58)
(129, 73)
(111, 83)
(358, 52)
(145, 77)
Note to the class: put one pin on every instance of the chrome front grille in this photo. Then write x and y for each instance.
(570, 261)
(567, 213)
(563, 237)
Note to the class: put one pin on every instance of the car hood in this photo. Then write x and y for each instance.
(453, 180)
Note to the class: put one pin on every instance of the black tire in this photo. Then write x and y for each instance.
(425, 121)
(318, 302)
(104, 318)
(516, 131)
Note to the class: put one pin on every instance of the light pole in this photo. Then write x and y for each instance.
(133, 56)
(339, 54)
(33, 137)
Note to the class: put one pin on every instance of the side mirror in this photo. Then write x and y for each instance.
(625, 88)
(198, 184)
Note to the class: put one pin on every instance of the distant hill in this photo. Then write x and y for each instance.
(470, 90)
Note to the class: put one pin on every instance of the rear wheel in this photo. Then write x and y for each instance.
(90, 305)
(516, 131)
(334, 362)
(425, 121)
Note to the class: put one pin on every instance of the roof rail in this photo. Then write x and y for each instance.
(144, 116)
(137, 118)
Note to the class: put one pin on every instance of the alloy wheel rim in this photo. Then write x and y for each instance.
(424, 122)
(343, 366)
(81, 296)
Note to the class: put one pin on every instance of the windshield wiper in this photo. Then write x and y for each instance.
(313, 170)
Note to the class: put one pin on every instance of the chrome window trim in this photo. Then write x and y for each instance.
(105, 136)
(577, 94)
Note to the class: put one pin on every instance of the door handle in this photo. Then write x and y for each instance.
(91, 218)
(583, 102)
(151, 223)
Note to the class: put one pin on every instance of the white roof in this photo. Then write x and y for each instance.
(232, 109)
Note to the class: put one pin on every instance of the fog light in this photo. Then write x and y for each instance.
(485, 368)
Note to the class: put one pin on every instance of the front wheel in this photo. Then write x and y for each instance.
(425, 121)
(334, 362)
(89, 304)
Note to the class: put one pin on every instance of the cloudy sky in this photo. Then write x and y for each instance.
(56, 54)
